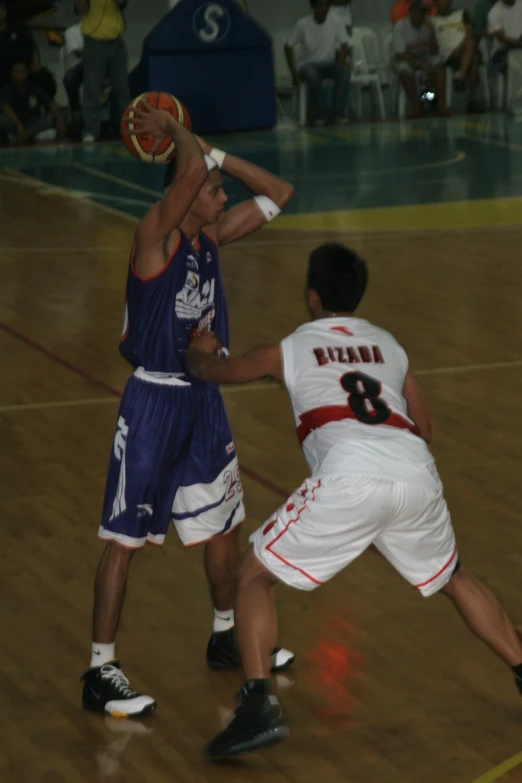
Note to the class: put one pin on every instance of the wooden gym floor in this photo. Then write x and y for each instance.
(387, 687)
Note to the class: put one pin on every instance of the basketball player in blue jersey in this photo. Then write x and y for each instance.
(173, 456)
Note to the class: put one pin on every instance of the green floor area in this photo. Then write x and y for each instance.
(341, 169)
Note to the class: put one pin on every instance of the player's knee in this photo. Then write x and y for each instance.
(118, 552)
(250, 569)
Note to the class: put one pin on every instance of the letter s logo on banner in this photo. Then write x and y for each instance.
(211, 22)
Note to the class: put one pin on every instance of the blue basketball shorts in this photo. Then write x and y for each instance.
(173, 458)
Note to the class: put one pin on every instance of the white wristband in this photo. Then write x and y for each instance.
(218, 155)
(268, 207)
(211, 163)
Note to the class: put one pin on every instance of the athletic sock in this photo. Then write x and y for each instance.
(258, 687)
(102, 653)
(223, 621)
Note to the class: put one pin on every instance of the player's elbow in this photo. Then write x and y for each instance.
(286, 191)
(195, 171)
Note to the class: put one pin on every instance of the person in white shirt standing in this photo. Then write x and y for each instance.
(505, 27)
(364, 424)
(73, 77)
(323, 51)
(458, 47)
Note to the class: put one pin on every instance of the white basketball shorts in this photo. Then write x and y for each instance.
(330, 521)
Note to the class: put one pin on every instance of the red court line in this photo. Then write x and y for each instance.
(275, 488)
(54, 357)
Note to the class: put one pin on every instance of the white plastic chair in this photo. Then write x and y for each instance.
(301, 95)
(366, 66)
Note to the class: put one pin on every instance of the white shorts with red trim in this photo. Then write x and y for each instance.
(328, 522)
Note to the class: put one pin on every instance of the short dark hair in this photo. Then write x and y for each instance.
(339, 276)
(170, 173)
(313, 3)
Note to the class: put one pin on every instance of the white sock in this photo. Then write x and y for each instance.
(102, 653)
(223, 621)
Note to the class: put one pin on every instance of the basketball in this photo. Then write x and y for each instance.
(140, 146)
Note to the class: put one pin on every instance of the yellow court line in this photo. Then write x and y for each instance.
(41, 406)
(479, 213)
(247, 387)
(471, 214)
(118, 180)
(13, 175)
(470, 368)
(511, 145)
(459, 157)
(500, 769)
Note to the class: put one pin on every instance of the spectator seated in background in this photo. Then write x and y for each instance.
(27, 111)
(16, 43)
(505, 27)
(42, 76)
(458, 47)
(416, 50)
(73, 77)
(344, 10)
(401, 9)
(323, 49)
(480, 17)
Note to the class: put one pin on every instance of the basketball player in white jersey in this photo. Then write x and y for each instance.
(364, 424)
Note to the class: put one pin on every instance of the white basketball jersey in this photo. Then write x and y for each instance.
(345, 379)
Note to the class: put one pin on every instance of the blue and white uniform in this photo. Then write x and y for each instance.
(173, 455)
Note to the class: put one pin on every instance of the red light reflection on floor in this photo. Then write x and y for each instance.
(334, 666)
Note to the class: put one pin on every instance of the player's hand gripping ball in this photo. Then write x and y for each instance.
(143, 126)
(205, 342)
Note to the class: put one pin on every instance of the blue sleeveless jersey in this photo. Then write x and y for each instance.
(162, 311)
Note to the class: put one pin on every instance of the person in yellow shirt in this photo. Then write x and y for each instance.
(104, 55)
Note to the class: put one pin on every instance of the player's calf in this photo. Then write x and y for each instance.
(482, 612)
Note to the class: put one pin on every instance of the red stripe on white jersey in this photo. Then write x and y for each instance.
(318, 417)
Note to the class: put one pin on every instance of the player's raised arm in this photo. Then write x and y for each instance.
(272, 194)
(166, 215)
(205, 363)
(418, 407)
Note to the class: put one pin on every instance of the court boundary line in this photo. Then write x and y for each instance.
(501, 769)
(52, 356)
(118, 180)
(283, 242)
(380, 234)
(58, 190)
(116, 394)
(42, 406)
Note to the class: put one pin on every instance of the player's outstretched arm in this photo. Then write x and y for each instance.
(165, 216)
(418, 407)
(207, 365)
(272, 194)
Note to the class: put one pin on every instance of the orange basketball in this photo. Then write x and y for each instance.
(140, 146)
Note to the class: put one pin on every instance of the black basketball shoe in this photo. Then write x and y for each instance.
(106, 689)
(258, 721)
(223, 653)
